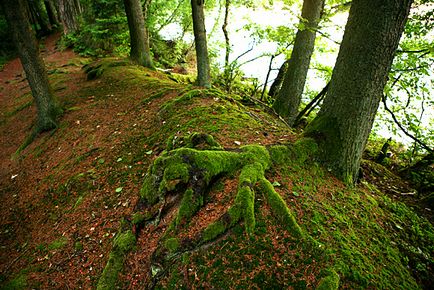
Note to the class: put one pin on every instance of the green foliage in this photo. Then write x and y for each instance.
(103, 30)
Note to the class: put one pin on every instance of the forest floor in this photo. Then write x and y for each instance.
(63, 198)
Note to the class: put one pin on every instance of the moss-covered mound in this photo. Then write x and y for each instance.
(171, 186)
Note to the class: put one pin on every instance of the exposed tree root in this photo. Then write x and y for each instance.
(190, 166)
(191, 171)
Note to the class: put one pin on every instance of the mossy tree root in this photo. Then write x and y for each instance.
(329, 282)
(124, 241)
(191, 171)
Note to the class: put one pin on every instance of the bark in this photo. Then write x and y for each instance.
(139, 36)
(36, 74)
(69, 11)
(289, 97)
(345, 120)
(226, 34)
(277, 83)
(51, 12)
(41, 19)
(203, 68)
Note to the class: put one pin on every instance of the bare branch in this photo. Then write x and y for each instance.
(426, 147)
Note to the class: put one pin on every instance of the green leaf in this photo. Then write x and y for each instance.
(148, 152)
(295, 193)
(119, 189)
(276, 184)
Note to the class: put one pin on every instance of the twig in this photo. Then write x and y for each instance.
(403, 129)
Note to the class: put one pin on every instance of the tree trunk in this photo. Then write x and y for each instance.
(227, 69)
(289, 96)
(139, 37)
(226, 34)
(51, 12)
(69, 10)
(43, 25)
(277, 84)
(36, 74)
(203, 69)
(345, 120)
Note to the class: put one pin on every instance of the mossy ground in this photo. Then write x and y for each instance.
(83, 180)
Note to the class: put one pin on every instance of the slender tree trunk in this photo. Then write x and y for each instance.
(51, 12)
(139, 37)
(345, 120)
(40, 17)
(289, 96)
(203, 68)
(36, 74)
(227, 47)
(277, 84)
(226, 34)
(69, 11)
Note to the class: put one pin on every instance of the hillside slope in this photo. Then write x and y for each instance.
(72, 203)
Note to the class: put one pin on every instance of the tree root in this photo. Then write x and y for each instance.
(191, 171)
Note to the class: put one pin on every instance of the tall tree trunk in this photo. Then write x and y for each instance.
(51, 12)
(36, 74)
(203, 68)
(139, 37)
(226, 34)
(227, 47)
(345, 120)
(289, 96)
(69, 11)
(40, 16)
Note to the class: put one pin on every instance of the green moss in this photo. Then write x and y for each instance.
(18, 109)
(19, 282)
(172, 244)
(176, 171)
(122, 244)
(190, 204)
(78, 246)
(96, 69)
(137, 218)
(195, 140)
(58, 244)
(213, 230)
(304, 149)
(280, 154)
(330, 282)
(280, 210)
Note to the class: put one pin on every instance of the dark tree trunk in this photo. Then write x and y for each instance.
(345, 120)
(289, 96)
(69, 11)
(227, 69)
(277, 84)
(139, 37)
(203, 69)
(226, 34)
(36, 74)
(40, 17)
(51, 12)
